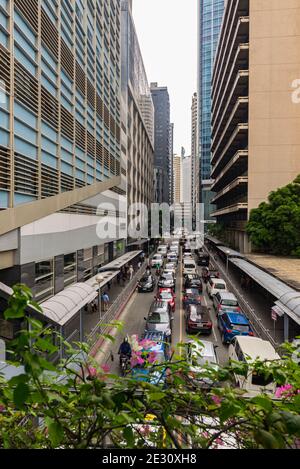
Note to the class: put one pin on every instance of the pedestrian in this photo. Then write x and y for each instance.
(131, 272)
(105, 299)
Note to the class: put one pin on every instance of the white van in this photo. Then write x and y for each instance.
(189, 267)
(215, 285)
(249, 349)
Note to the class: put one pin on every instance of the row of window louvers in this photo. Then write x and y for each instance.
(26, 176)
(50, 37)
(90, 210)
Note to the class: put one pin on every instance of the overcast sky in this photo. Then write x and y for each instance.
(167, 31)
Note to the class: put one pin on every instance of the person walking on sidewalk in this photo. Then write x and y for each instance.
(105, 299)
(131, 272)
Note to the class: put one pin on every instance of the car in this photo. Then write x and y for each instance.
(193, 281)
(167, 294)
(171, 266)
(159, 322)
(191, 296)
(215, 285)
(198, 355)
(203, 259)
(163, 250)
(247, 350)
(172, 257)
(189, 267)
(147, 284)
(197, 319)
(153, 373)
(160, 306)
(174, 248)
(232, 325)
(169, 271)
(167, 280)
(225, 301)
(157, 260)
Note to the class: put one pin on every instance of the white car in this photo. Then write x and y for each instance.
(197, 356)
(163, 250)
(216, 285)
(157, 260)
(189, 267)
(172, 257)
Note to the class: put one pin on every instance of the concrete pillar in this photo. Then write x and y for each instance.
(286, 327)
(81, 326)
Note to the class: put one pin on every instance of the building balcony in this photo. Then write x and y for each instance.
(237, 141)
(238, 114)
(233, 11)
(237, 166)
(240, 88)
(240, 207)
(236, 188)
(221, 91)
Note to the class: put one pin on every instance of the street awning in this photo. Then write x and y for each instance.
(64, 306)
(107, 277)
(213, 240)
(117, 264)
(230, 252)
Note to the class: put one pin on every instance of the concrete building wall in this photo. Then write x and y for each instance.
(274, 120)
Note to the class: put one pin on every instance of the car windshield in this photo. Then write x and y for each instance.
(146, 279)
(189, 266)
(241, 327)
(157, 257)
(229, 303)
(167, 276)
(166, 296)
(192, 292)
(158, 318)
(220, 286)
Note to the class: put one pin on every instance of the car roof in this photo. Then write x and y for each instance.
(237, 318)
(206, 347)
(219, 280)
(257, 348)
(227, 296)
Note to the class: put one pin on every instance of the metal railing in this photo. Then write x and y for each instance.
(256, 323)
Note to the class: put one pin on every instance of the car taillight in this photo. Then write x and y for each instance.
(229, 331)
(209, 324)
(251, 334)
(219, 307)
(238, 309)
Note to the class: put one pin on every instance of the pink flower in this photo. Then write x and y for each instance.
(137, 359)
(219, 442)
(152, 357)
(2, 408)
(217, 400)
(92, 371)
(146, 344)
(284, 390)
(105, 368)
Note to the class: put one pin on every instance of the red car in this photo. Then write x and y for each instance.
(167, 294)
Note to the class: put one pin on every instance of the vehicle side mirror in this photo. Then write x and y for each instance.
(145, 319)
(172, 318)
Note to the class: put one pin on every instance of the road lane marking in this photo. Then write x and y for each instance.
(213, 328)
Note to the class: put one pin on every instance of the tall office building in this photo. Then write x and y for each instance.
(177, 180)
(60, 151)
(161, 101)
(171, 159)
(138, 123)
(195, 189)
(210, 14)
(255, 122)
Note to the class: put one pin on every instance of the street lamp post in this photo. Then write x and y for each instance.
(99, 280)
(227, 261)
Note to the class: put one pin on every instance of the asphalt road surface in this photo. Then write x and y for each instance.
(134, 323)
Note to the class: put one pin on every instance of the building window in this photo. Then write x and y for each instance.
(44, 280)
(70, 269)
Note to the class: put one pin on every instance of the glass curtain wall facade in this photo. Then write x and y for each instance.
(60, 94)
(210, 14)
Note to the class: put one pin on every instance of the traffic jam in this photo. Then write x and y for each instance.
(182, 299)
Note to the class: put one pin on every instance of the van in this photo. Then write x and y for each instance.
(215, 285)
(248, 349)
(163, 250)
(189, 267)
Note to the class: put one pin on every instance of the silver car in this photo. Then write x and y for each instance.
(225, 302)
(159, 321)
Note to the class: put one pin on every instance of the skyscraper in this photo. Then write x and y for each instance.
(60, 149)
(171, 160)
(161, 101)
(195, 197)
(210, 14)
(255, 121)
(138, 116)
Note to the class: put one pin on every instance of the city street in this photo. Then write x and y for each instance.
(134, 323)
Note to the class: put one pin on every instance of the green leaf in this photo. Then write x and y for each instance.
(46, 365)
(266, 439)
(228, 410)
(18, 379)
(156, 396)
(55, 432)
(14, 313)
(129, 436)
(21, 394)
(45, 345)
(292, 423)
(263, 402)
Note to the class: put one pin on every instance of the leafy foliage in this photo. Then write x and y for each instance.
(274, 227)
(64, 405)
